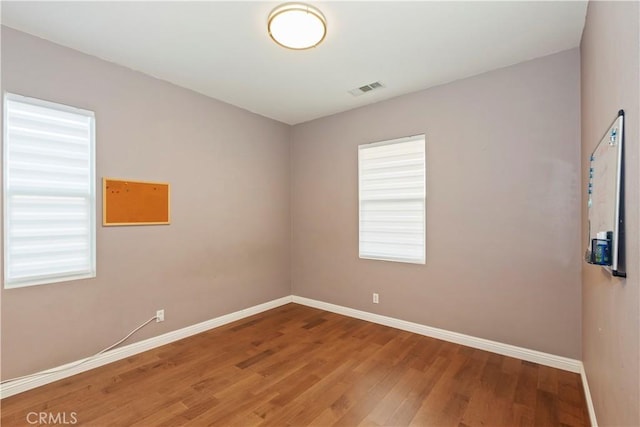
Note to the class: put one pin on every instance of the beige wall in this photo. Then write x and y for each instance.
(503, 207)
(227, 247)
(611, 315)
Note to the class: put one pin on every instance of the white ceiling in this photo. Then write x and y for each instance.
(222, 49)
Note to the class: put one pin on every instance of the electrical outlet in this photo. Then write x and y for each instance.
(376, 298)
(160, 316)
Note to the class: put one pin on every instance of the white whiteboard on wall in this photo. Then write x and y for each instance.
(606, 196)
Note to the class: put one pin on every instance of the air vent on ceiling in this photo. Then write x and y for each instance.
(366, 88)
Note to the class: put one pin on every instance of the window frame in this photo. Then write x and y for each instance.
(423, 260)
(48, 278)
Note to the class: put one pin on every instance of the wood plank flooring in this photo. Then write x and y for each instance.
(299, 366)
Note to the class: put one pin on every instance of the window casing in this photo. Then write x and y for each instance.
(392, 199)
(48, 192)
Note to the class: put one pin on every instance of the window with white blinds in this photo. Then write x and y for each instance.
(392, 200)
(49, 192)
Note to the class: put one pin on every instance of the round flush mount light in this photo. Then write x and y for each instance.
(297, 26)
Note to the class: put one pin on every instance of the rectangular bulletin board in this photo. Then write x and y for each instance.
(127, 202)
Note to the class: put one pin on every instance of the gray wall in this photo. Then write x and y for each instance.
(503, 242)
(503, 207)
(227, 247)
(611, 316)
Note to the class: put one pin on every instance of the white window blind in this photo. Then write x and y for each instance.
(49, 192)
(392, 200)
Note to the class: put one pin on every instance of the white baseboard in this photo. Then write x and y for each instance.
(535, 356)
(587, 396)
(42, 378)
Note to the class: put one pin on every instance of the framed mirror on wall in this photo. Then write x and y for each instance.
(605, 202)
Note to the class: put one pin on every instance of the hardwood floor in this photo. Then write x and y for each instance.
(296, 366)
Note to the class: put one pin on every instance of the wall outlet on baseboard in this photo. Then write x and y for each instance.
(376, 298)
(160, 316)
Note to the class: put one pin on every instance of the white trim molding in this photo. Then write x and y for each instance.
(564, 363)
(40, 379)
(587, 396)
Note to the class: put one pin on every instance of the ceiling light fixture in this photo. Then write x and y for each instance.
(297, 26)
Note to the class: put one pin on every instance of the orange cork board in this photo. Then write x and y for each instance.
(126, 202)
